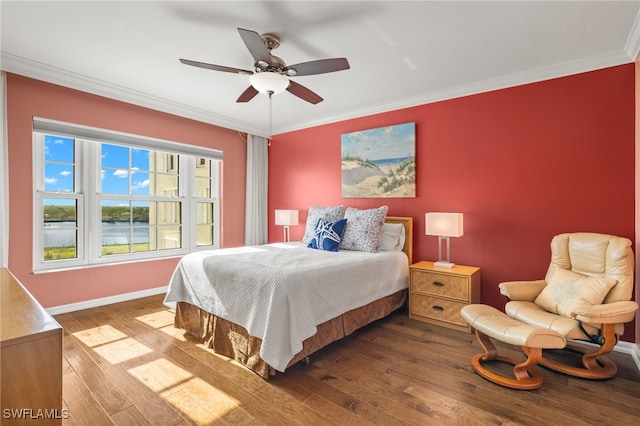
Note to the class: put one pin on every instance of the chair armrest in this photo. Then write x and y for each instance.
(607, 313)
(522, 290)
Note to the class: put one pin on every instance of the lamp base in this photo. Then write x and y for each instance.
(444, 264)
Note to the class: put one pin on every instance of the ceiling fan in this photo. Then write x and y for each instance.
(270, 74)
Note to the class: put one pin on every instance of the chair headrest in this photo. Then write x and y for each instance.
(596, 255)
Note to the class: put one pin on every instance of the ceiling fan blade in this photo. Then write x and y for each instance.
(303, 93)
(320, 66)
(248, 94)
(215, 67)
(256, 45)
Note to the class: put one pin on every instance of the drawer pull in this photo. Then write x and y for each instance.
(437, 308)
(438, 284)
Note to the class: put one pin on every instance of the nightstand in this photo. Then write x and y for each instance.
(436, 295)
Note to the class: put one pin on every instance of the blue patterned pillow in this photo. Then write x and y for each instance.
(364, 230)
(328, 214)
(327, 235)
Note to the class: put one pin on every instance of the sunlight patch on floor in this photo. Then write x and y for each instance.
(193, 396)
(176, 333)
(122, 350)
(99, 335)
(158, 319)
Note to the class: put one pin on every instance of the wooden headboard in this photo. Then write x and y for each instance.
(408, 233)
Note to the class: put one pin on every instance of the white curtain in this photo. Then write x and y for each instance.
(4, 175)
(256, 215)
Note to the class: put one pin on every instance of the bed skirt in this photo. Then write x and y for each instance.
(233, 341)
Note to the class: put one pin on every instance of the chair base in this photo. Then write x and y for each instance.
(526, 375)
(595, 365)
(603, 370)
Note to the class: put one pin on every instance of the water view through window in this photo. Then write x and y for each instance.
(96, 202)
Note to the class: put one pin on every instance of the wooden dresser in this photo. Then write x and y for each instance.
(30, 358)
(436, 295)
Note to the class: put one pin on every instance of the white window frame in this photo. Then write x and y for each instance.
(87, 183)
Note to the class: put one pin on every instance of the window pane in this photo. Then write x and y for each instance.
(59, 211)
(165, 162)
(169, 237)
(140, 159)
(141, 238)
(203, 167)
(204, 235)
(116, 211)
(167, 185)
(115, 239)
(58, 177)
(203, 187)
(141, 213)
(140, 183)
(169, 213)
(116, 227)
(141, 230)
(115, 181)
(60, 229)
(58, 149)
(115, 156)
(204, 213)
(60, 244)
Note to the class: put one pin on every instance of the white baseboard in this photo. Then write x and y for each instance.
(71, 307)
(635, 354)
(622, 347)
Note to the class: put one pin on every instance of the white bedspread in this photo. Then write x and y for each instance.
(281, 292)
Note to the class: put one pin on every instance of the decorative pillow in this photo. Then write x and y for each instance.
(567, 290)
(328, 214)
(392, 238)
(364, 229)
(327, 235)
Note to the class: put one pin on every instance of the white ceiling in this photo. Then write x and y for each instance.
(401, 53)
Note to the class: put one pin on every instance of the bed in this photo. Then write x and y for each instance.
(268, 329)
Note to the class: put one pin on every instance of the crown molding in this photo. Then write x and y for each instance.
(40, 71)
(632, 47)
(503, 82)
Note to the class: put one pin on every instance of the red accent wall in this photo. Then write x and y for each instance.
(522, 164)
(27, 98)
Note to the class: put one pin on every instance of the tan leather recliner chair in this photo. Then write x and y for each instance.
(585, 296)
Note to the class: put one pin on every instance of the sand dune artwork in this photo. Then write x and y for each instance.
(379, 163)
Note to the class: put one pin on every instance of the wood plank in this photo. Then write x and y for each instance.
(85, 409)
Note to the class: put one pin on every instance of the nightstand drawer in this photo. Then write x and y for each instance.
(453, 286)
(437, 308)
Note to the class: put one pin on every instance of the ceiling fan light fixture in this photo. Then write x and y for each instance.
(269, 82)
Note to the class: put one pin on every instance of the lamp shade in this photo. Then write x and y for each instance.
(265, 82)
(286, 217)
(444, 224)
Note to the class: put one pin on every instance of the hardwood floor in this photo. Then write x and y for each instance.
(126, 364)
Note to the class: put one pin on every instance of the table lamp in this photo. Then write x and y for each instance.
(444, 225)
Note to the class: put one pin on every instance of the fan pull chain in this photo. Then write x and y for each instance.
(270, 114)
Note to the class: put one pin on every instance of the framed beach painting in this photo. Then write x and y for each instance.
(379, 163)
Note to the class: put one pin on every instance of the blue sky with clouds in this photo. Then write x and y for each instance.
(117, 167)
(382, 143)
(124, 170)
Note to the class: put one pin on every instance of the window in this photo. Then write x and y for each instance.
(105, 197)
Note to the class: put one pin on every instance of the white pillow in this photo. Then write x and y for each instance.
(364, 228)
(392, 238)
